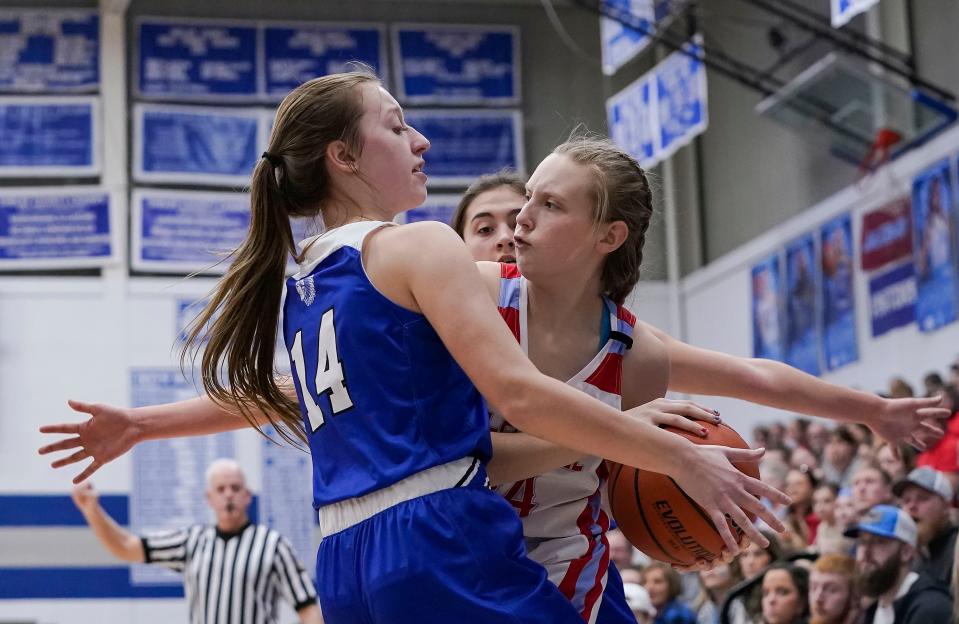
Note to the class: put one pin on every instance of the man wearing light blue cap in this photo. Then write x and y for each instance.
(926, 495)
(885, 548)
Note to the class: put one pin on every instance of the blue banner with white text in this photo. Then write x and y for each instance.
(766, 308)
(934, 251)
(457, 64)
(840, 346)
(802, 329)
(49, 136)
(892, 298)
(49, 50)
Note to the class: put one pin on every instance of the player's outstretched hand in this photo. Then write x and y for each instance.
(725, 492)
(680, 414)
(107, 434)
(915, 421)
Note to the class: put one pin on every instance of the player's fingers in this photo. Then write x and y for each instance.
(681, 422)
(749, 529)
(72, 459)
(934, 413)
(764, 490)
(80, 406)
(741, 520)
(689, 409)
(928, 401)
(918, 443)
(743, 455)
(722, 527)
(62, 445)
(61, 428)
(89, 470)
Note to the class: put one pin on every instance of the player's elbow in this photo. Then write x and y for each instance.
(130, 549)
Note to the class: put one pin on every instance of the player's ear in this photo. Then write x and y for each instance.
(612, 236)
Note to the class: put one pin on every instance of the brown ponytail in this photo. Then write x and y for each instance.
(240, 321)
(622, 193)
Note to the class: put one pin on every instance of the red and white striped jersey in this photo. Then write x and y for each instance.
(563, 513)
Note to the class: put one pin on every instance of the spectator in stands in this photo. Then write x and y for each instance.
(777, 436)
(804, 459)
(714, 587)
(943, 454)
(933, 383)
(839, 457)
(896, 467)
(900, 389)
(620, 550)
(864, 440)
(926, 495)
(632, 574)
(753, 560)
(761, 437)
(829, 537)
(885, 548)
(832, 596)
(795, 436)
(639, 603)
(664, 586)
(801, 522)
(817, 435)
(785, 594)
(870, 487)
(954, 374)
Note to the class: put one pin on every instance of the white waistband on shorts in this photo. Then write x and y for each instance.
(343, 514)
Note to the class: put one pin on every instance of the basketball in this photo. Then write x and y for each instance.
(659, 518)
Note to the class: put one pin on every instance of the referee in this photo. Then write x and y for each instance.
(233, 571)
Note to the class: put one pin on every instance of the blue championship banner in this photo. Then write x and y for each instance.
(631, 116)
(662, 110)
(844, 10)
(802, 329)
(49, 136)
(298, 52)
(892, 299)
(766, 310)
(467, 143)
(186, 231)
(206, 60)
(197, 145)
(50, 50)
(63, 227)
(621, 43)
(437, 207)
(457, 64)
(840, 346)
(934, 251)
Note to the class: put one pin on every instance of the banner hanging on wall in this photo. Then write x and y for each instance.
(621, 43)
(456, 64)
(886, 234)
(892, 298)
(845, 10)
(296, 53)
(468, 143)
(197, 145)
(50, 50)
(934, 251)
(61, 227)
(664, 109)
(802, 328)
(437, 207)
(197, 59)
(186, 231)
(767, 310)
(840, 346)
(49, 136)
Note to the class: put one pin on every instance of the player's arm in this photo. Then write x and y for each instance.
(310, 614)
(112, 431)
(767, 382)
(449, 291)
(121, 543)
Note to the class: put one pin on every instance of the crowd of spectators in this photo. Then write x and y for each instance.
(871, 533)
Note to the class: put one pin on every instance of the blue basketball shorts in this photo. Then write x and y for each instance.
(455, 555)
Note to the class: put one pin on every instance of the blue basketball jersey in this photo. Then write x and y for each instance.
(381, 397)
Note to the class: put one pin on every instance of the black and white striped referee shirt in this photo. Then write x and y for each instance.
(233, 578)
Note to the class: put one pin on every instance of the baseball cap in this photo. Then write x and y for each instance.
(638, 599)
(885, 521)
(928, 479)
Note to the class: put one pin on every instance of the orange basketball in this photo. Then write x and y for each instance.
(659, 518)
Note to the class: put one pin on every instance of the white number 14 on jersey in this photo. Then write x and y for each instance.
(329, 373)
